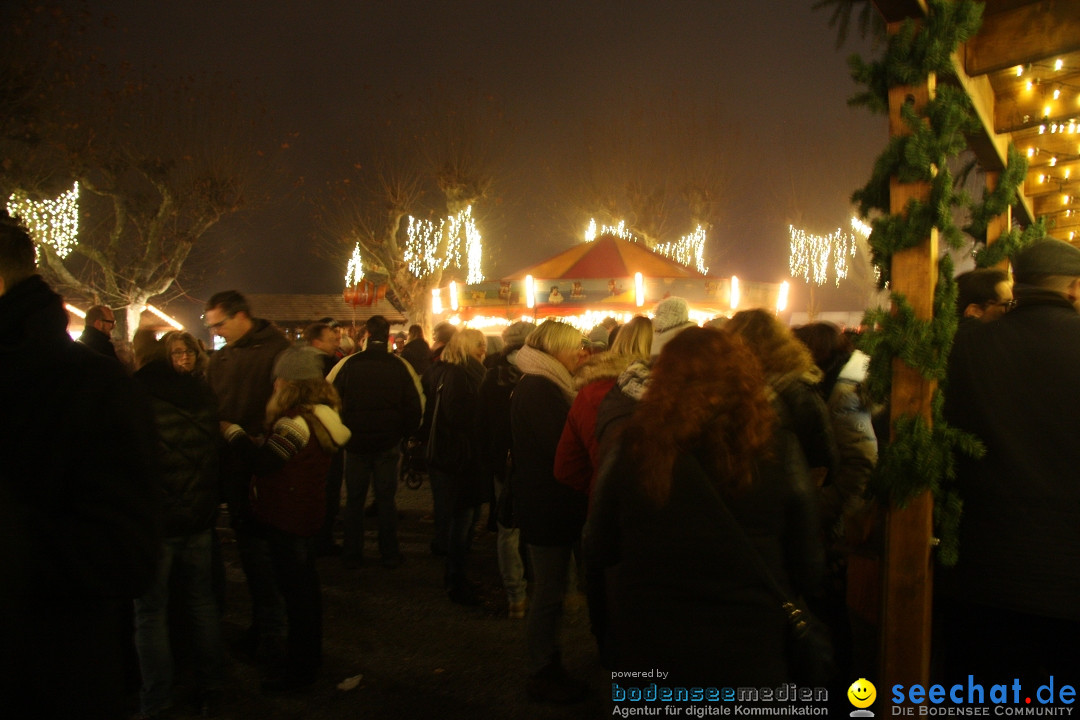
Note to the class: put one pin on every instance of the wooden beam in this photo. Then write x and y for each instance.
(908, 575)
(990, 148)
(899, 10)
(1026, 34)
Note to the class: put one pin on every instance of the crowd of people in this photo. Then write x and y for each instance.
(694, 481)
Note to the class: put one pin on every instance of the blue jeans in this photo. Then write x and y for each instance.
(360, 470)
(192, 553)
(551, 569)
(508, 545)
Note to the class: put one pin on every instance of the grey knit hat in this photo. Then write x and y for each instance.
(1046, 257)
(299, 363)
(515, 333)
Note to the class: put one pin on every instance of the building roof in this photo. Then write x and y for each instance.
(304, 309)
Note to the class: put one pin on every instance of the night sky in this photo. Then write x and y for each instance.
(796, 151)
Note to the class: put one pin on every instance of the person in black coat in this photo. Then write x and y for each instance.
(78, 505)
(703, 472)
(1013, 383)
(454, 450)
(549, 513)
(495, 437)
(185, 415)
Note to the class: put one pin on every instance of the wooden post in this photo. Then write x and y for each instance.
(1001, 224)
(907, 573)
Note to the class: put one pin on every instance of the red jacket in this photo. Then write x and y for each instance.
(576, 455)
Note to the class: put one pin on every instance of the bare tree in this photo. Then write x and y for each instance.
(661, 191)
(434, 157)
(159, 162)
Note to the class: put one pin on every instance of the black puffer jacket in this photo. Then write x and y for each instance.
(185, 414)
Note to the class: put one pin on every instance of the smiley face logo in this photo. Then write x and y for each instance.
(862, 693)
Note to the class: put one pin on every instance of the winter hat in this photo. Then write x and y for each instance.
(299, 363)
(515, 333)
(670, 312)
(1046, 257)
(598, 337)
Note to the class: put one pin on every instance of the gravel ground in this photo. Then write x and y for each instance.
(417, 654)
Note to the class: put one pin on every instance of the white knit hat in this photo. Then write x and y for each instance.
(670, 312)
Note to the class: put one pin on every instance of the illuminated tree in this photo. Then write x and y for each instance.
(816, 258)
(158, 163)
(444, 145)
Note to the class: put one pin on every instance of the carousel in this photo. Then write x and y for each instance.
(608, 277)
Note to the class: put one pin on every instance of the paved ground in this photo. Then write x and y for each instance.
(419, 655)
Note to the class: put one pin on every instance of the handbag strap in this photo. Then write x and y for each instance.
(759, 562)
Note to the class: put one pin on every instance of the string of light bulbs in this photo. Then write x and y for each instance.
(53, 222)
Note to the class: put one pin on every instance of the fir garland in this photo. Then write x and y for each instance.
(921, 456)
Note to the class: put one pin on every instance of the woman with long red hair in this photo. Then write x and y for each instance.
(703, 472)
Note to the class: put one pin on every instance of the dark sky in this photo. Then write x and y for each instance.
(796, 150)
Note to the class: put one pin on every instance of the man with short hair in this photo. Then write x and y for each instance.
(96, 335)
(241, 376)
(78, 504)
(382, 404)
(339, 333)
(983, 294)
(416, 350)
(1011, 609)
(323, 338)
(241, 372)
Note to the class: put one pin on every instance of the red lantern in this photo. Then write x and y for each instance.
(363, 293)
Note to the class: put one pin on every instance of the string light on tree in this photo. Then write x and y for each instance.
(50, 222)
(619, 230)
(689, 250)
(812, 256)
(424, 240)
(354, 272)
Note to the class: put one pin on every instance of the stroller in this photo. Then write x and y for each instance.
(413, 467)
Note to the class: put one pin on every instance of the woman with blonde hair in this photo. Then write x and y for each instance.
(576, 456)
(702, 473)
(549, 513)
(454, 450)
(792, 374)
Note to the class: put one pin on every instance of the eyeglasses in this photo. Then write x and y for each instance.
(1007, 304)
(108, 321)
(215, 326)
(183, 353)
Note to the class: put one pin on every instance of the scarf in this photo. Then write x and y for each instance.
(634, 380)
(537, 362)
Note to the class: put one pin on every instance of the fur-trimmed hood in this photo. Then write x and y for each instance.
(600, 366)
